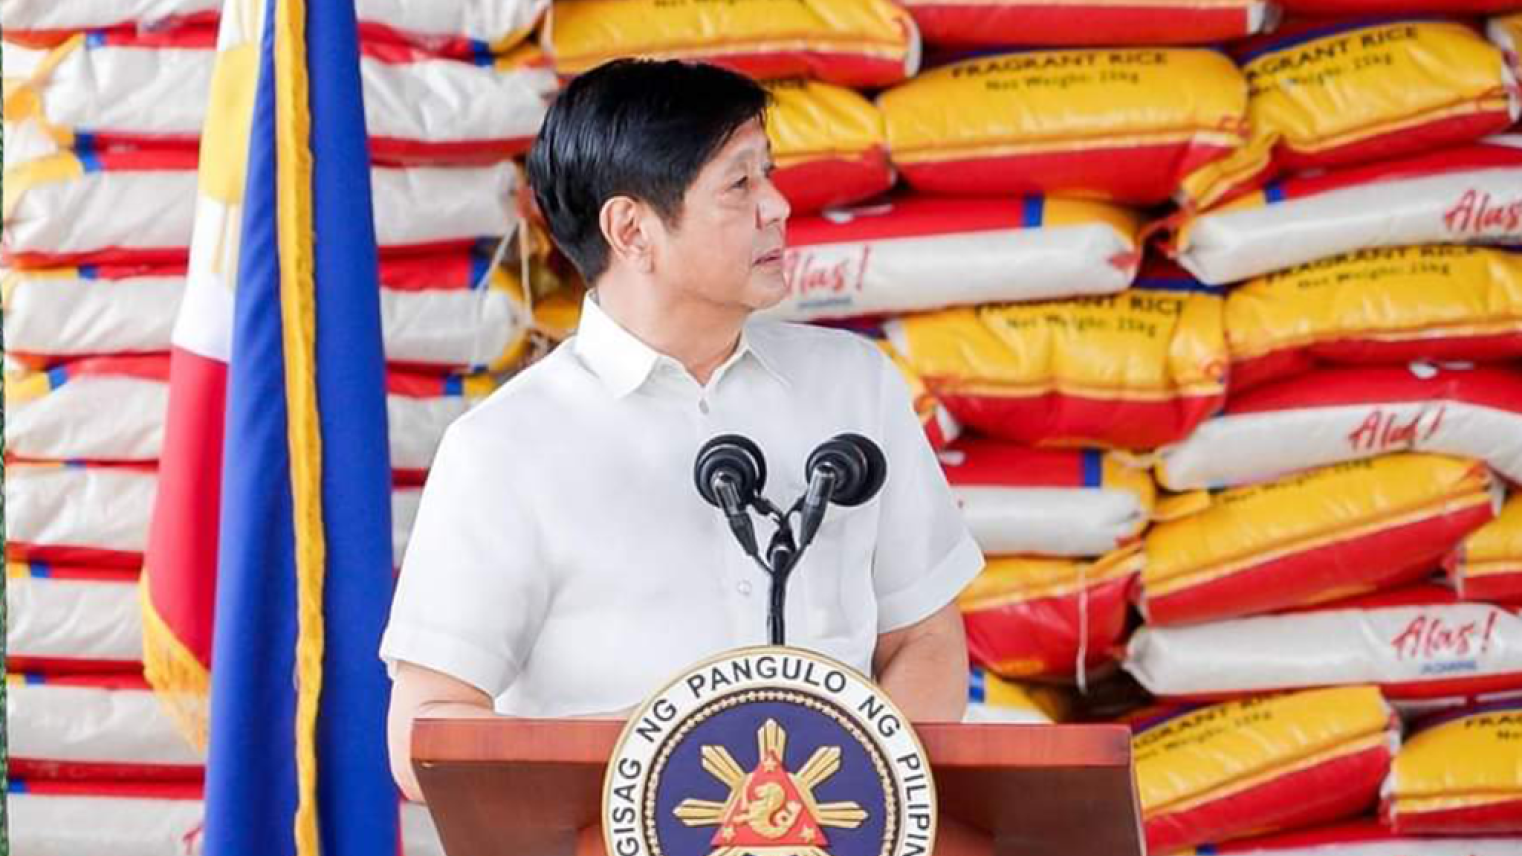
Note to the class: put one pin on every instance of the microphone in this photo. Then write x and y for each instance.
(730, 472)
(848, 470)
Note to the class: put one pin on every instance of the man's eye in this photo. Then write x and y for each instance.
(740, 185)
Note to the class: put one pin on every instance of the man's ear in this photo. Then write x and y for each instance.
(624, 222)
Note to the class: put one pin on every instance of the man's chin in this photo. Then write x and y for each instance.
(765, 291)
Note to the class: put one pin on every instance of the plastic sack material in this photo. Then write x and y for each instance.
(460, 28)
(1030, 617)
(1506, 32)
(418, 410)
(1337, 415)
(1087, 22)
(1246, 766)
(1459, 774)
(828, 144)
(919, 253)
(1487, 565)
(1327, 95)
(1125, 125)
(1467, 195)
(108, 90)
(991, 699)
(1418, 643)
(1050, 502)
(97, 409)
(31, 23)
(940, 426)
(864, 43)
(1358, 838)
(1134, 370)
(142, 819)
(1377, 306)
(59, 314)
(138, 207)
(73, 514)
(1361, 7)
(1330, 532)
(72, 620)
(93, 727)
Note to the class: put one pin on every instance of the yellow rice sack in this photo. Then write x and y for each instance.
(1377, 306)
(1258, 764)
(1461, 773)
(1136, 370)
(1329, 95)
(990, 698)
(1335, 531)
(1119, 124)
(828, 144)
(1488, 564)
(864, 43)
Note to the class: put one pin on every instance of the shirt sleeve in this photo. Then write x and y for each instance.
(925, 553)
(473, 587)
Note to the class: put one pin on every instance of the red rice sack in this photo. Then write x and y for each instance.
(1487, 565)
(1363, 7)
(1377, 306)
(940, 426)
(1048, 502)
(1460, 773)
(1337, 415)
(1087, 22)
(418, 410)
(452, 312)
(1419, 644)
(93, 727)
(72, 514)
(138, 207)
(72, 620)
(919, 253)
(98, 409)
(1119, 124)
(828, 144)
(59, 314)
(861, 43)
(1327, 533)
(464, 28)
(1135, 370)
(1029, 617)
(1280, 762)
(1345, 94)
(1467, 195)
(1358, 838)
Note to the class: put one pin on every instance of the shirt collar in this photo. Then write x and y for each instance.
(622, 362)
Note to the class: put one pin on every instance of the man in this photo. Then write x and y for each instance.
(562, 563)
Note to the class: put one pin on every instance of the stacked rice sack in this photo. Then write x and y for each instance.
(106, 110)
(1337, 527)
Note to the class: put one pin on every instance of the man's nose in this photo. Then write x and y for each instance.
(771, 207)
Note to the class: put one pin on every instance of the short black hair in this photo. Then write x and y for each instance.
(637, 128)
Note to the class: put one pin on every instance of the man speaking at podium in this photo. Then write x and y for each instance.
(562, 563)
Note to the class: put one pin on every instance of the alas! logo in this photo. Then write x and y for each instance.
(769, 752)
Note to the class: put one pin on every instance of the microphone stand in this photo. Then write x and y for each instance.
(782, 556)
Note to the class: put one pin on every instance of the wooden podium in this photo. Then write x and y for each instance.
(534, 787)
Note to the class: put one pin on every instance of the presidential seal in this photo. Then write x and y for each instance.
(769, 752)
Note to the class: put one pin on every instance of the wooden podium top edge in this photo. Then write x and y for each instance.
(492, 740)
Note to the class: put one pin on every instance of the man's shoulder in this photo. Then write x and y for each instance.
(531, 397)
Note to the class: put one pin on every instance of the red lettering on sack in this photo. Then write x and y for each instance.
(1429, 638)
(805, 275)
(1478, 213)
(1380, 431)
